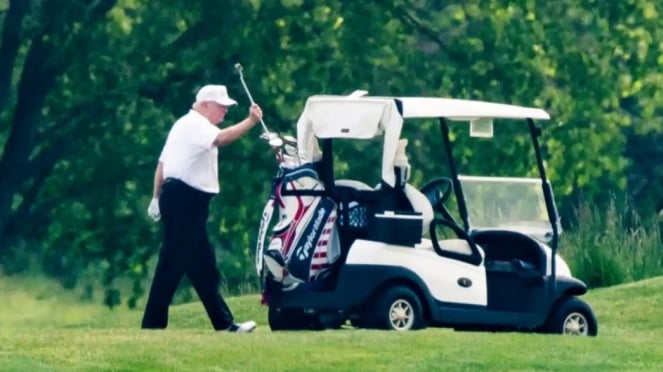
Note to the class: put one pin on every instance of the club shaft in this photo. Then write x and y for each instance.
(246, 88)
(248, 93)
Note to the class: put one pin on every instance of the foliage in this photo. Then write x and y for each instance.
(88, 91)
(613, 245)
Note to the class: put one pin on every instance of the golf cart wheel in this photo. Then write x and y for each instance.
(398, 309)
(573, 317)
(286, 319)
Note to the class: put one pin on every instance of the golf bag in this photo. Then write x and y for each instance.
(304, 243)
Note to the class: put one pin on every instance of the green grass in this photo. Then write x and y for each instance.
(45, 329)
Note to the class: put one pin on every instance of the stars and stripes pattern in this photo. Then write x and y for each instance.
(320, 261)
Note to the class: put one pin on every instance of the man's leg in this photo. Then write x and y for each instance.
(204, 276)
(167, 277)
(179, 239)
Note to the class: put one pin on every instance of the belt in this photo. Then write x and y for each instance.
(178, 182)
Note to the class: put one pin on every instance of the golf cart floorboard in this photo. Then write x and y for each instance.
(480, 317)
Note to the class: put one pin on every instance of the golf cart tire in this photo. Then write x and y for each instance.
(572, 316)
(398, 309)
(287, 319)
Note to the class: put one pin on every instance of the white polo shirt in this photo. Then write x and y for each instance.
(189, 153)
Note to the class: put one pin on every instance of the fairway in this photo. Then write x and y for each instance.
(48, 331)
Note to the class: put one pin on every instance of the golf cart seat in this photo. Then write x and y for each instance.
(418, 202)
(459, 246)
(354, 184)
(421, 204)
(357, 209)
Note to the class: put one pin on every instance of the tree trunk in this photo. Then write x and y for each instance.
(10, 44)
(35, 83)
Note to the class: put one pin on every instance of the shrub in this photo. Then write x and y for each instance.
(613, 245)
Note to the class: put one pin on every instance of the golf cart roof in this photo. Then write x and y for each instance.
(465, 110)
(365, 117)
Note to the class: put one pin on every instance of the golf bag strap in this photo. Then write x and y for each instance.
(303, 192)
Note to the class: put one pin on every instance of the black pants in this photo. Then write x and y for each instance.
(186, 250)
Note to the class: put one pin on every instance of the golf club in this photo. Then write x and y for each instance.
(290, 147)
(269, 136)
(290, 139)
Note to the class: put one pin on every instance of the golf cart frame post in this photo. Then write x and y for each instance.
(553, 216)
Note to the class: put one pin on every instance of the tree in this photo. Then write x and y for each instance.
(89, 89)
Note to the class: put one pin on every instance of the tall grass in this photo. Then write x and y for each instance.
(613, 245)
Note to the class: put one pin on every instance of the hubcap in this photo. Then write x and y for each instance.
(575, 324)
(401, 315)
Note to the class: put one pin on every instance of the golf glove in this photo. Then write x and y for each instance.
(153, 210)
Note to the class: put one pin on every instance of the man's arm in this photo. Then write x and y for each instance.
(158, 181)
(231, 133)
(153, 209)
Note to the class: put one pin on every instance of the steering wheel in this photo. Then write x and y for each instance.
(438, 192)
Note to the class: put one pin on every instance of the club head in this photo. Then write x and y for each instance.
(267, 136)
(238, 68)
(290, 149)
(275, 142)
(289, 139)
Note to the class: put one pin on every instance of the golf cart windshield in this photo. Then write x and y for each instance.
(509, 203)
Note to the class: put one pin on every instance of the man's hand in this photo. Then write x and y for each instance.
(255, 113)
(153, 210)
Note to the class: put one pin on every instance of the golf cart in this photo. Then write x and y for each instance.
(404, 262)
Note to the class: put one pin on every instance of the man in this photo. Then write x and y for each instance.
(185, 180)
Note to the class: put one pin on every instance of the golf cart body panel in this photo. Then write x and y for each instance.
(504, 275)
(364, 280)
(447, 280)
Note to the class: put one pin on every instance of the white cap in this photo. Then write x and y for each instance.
(215, 93)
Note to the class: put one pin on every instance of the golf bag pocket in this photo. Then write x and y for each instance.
(316, 248)
(397, 228)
